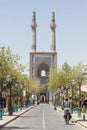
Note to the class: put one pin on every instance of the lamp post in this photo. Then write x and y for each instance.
(0, 99)
(27, 98)
(62, 96)
(72, 86)
(16, 96)
(21, 97)
(79, 105)
(33, 97)
(55, 99)
(58, 93)
(10, 97)
(24, 97)
(67, 90)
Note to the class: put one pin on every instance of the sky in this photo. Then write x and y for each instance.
(71, 30)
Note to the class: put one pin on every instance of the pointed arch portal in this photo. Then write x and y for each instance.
(43, 67)
(42, 72)
(41, 63)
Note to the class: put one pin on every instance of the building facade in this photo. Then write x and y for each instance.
(41, 63)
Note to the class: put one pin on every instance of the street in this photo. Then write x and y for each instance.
(41, 117)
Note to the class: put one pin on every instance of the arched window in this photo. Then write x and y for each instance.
(43, 73)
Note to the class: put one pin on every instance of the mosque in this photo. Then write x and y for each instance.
(41, 63)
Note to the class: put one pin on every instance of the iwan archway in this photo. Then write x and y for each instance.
(42, 70)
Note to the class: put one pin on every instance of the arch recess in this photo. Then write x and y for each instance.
(41, 67)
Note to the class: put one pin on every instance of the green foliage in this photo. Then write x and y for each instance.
(36, 86)
(78, 72)
(64, 76)
(66, 68)
(52, 83)
(10, 65)
(84, 109)
(60, 78)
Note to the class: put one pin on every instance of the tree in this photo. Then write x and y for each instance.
(9, 65)
(64, 76)
(53, 80)
(66, 67)
(35, 86)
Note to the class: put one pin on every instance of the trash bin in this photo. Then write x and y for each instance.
(71, 110)
(10, 111)
(0, 113)
(79, 111)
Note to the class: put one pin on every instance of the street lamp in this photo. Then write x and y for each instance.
(0, 99)
(16, 97)
(10, 97)
(62, 97)
(67, 90)
(58, 93)
(79, 105)
(24, 97)
(72, 86)
(27, 97)
(33, 98)
(21, 97)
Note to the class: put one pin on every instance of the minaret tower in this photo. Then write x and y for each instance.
(53, 37)
(33, 26)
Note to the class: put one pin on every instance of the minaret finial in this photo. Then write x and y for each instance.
(53, 10)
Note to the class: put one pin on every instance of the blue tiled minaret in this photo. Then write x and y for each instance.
(33, 26)
(53, 37)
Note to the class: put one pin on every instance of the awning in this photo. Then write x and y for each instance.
(84, 88)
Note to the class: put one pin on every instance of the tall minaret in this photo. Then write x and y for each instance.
(33, 26)
(53, 37)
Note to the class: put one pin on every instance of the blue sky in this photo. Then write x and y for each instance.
(71, 31)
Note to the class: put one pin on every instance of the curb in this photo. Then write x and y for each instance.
(82, 124)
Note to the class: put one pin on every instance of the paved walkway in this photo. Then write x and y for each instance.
(80, 119)
(7, 118)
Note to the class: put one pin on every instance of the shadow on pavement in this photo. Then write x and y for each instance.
(28, 116)
(71, 124)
